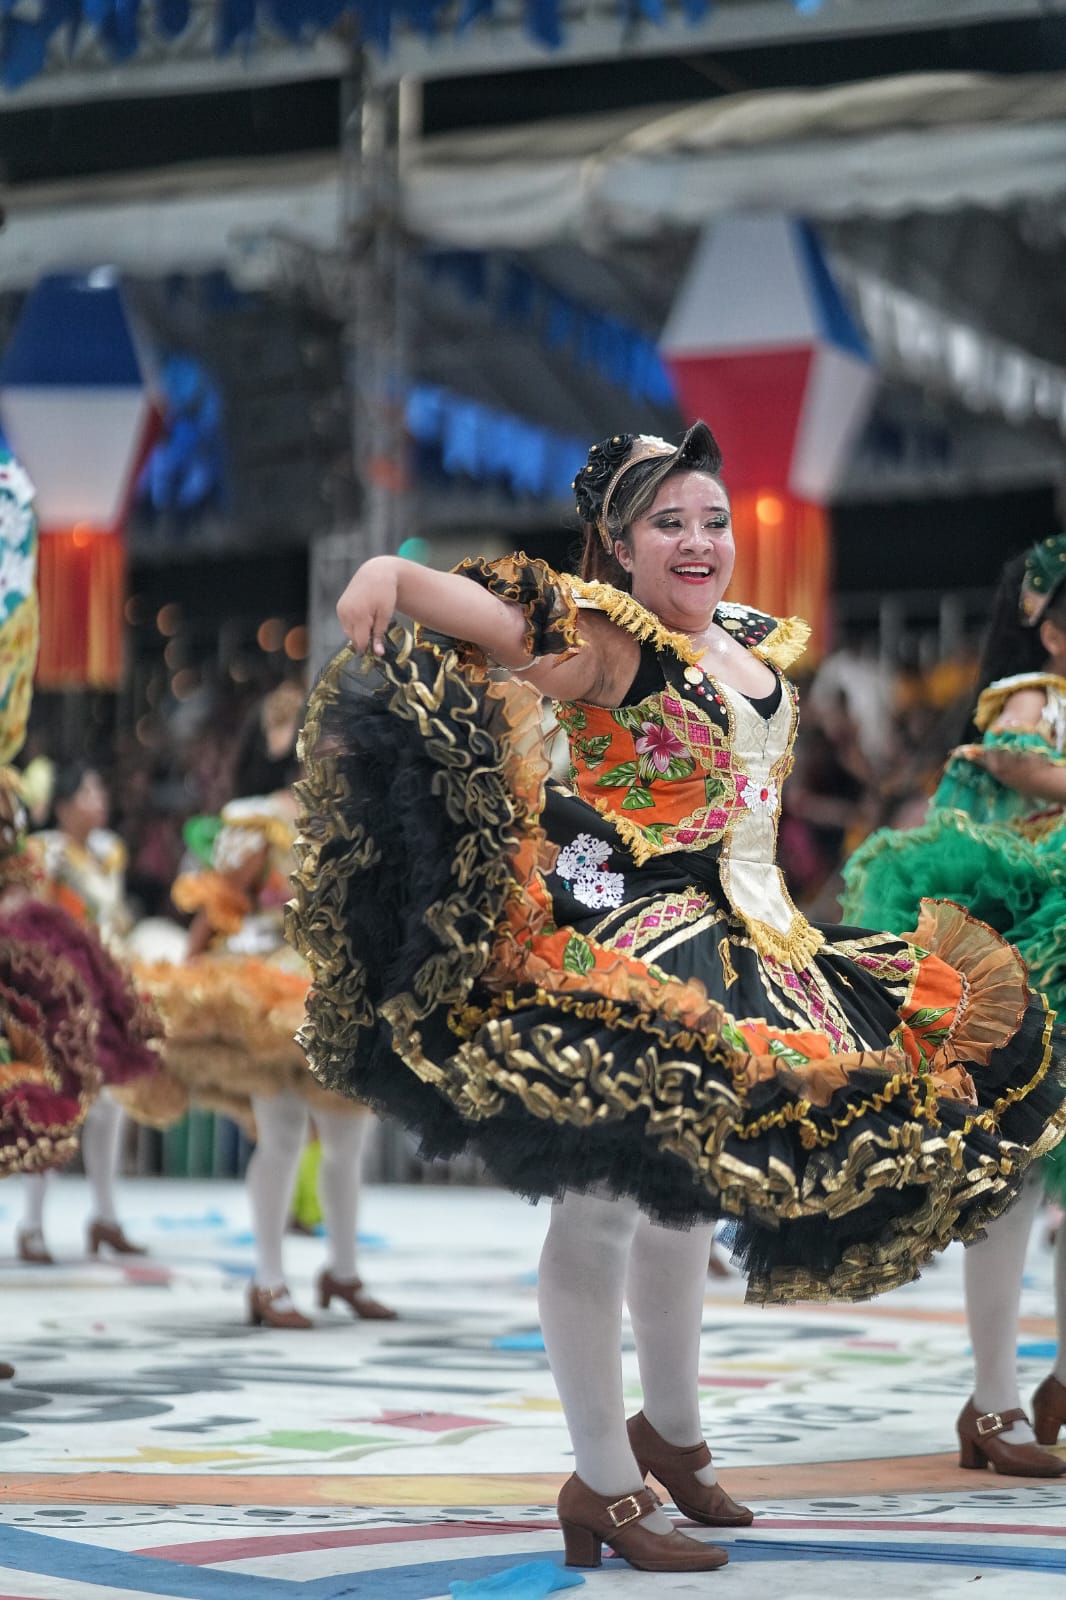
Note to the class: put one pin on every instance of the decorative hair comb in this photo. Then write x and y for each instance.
(1045, 573)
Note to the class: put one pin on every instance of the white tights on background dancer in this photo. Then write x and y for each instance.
(101, 1154)
(994, 1428)
(282, 1123)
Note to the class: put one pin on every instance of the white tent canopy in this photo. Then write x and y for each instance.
(927, 142)
(887, 149)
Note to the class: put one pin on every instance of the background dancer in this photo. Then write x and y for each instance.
(83, 883)
(232, 1012)
(995, 841)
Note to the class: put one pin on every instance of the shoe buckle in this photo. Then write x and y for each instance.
(991, 1422)
(635, 1510)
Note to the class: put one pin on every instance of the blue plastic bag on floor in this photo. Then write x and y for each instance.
(529, 1582)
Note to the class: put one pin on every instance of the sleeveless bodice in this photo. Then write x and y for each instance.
(690, 764)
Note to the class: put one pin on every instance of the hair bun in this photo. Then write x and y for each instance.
(604, 460)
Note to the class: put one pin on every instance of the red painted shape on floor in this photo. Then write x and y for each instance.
(428, 1421)
(208, 1552)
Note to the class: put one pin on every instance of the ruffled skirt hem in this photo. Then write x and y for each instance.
(443, 994)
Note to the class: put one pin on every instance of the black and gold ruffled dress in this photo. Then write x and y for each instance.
(607, 984)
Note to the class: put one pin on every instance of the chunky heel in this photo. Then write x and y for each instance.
(582, 1547)
(981, 1445)
(1049, 1410)
(272, 1308)
(351, 1291)
(589, 1521)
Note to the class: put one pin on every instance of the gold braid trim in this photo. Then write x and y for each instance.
(1055, 1130)
(742, 1068)
(621, 609)
(785, 643)
(907, 1155)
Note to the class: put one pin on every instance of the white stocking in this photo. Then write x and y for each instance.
(992, 1274)
(580, 1283)
(34, 1190)
(101, 1152)
(1060, 1301)
(343, 1138)
(664, 1291)
(281, 1127)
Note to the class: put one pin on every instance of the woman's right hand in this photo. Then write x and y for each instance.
(366, 607)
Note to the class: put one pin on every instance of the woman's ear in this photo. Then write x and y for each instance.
(1053, 638)
(622, 555)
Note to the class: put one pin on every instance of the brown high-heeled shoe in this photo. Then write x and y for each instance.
(32, 1248)
(980, 1446)
(111, 1234)
(589, 1520)
(363, 1305)
(675, 1467)
(265, 1312)
(1049, 1409)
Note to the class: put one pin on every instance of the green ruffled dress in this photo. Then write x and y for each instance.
(998, 853)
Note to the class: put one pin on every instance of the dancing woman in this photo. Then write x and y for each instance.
(605, 990)
(80, 896)
(65, 1008)
(232, 1012)
(995, 841)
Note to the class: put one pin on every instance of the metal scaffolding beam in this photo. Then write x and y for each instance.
(81, 69)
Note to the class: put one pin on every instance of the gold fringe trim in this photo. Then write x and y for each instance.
(785, 643)
(629, 614)
(796, 948)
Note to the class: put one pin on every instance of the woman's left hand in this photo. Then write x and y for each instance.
(1023, 770)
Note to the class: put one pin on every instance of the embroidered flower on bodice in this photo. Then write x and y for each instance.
(584, 854)
(761, 798)
(582, 865)
(659, 744)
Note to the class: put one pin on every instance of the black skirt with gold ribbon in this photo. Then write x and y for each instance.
(855, 1116)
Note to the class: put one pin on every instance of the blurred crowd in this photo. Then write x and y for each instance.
(237, 740)
(872, 740)
(871, 743)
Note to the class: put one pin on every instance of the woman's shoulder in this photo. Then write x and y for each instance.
(1041, 686)
(779, 640)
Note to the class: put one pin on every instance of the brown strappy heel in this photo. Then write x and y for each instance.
(589, 1520)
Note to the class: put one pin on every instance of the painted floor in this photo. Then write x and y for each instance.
(152, 1444)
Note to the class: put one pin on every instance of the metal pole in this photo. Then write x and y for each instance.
(377, 121)
(374, 130)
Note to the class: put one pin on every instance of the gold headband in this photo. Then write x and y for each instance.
(645, 447)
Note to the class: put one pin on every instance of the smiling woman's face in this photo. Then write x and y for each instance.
(680, 552)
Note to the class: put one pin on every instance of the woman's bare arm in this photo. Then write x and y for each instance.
(448, 603)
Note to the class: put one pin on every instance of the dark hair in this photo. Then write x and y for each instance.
(69, 779)
(635, 491)
(256, 771)
(1010, 647)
